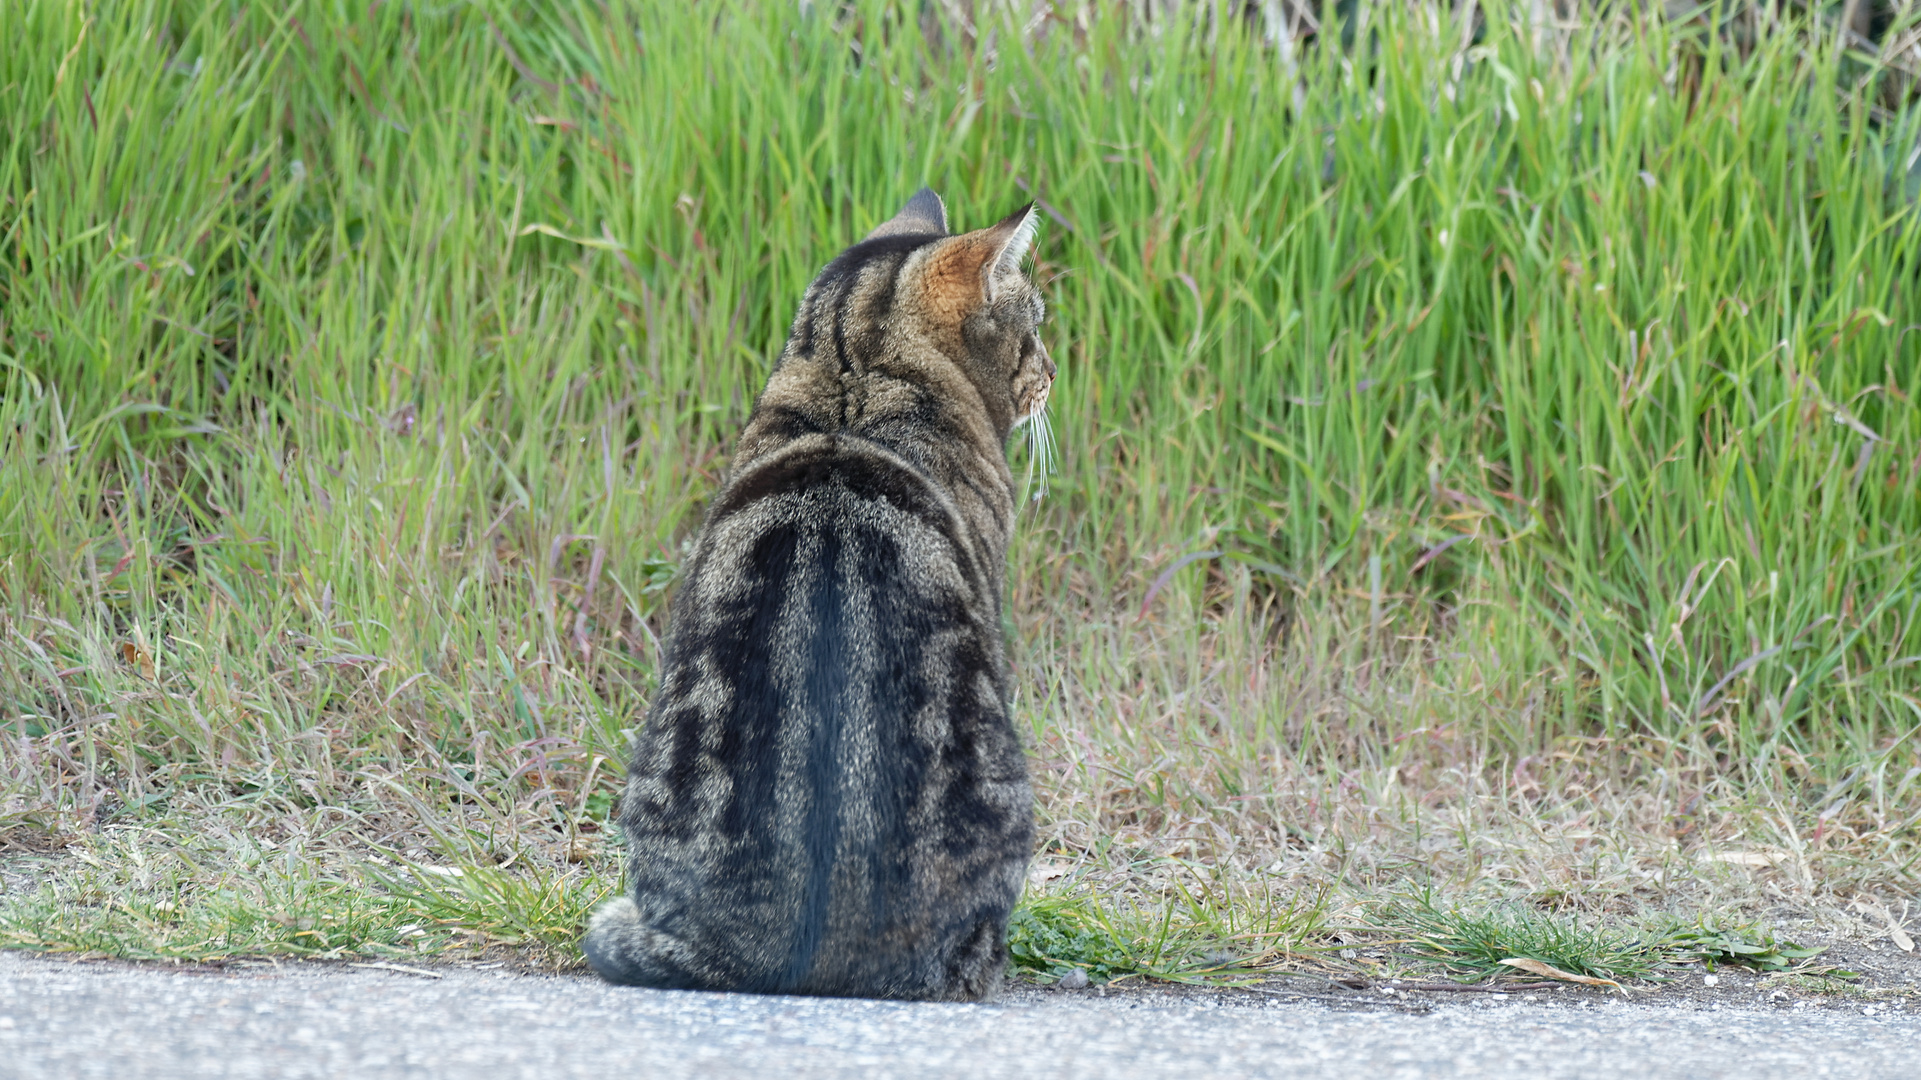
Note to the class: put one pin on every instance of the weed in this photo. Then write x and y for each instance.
(1711, 942)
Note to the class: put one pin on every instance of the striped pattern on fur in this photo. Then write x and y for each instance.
(828, 796)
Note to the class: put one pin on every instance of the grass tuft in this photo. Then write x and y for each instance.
(538, 910)
(1474, 941)
(1191, 935)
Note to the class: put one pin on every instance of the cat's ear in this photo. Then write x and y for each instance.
(966, 272)
(1008, 243)
(924, 215)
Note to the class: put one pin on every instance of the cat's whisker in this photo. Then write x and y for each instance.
(1042, 452)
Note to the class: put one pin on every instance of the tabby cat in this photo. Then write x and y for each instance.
(829, 796)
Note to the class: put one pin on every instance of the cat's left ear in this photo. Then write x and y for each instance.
(924, 215)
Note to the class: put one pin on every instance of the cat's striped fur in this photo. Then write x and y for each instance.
(829, 796)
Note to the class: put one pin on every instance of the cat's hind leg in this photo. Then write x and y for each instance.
(975, 967)
(623, 949)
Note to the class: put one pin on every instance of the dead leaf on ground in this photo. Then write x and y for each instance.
(1043, 870)
(136, 655)
(1749, 858)
(1549, 971)
(1895, 933)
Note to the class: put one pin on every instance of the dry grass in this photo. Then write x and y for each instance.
(1219, 731)
(1250, 777)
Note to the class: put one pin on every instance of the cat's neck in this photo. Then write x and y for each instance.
(928, 416)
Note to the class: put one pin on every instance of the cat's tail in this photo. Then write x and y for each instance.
(624, 950)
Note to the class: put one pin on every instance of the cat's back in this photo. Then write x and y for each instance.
(830, 747)
(830, 569)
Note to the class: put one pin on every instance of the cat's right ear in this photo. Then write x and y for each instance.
(924, 215)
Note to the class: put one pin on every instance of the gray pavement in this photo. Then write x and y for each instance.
(61, 1019)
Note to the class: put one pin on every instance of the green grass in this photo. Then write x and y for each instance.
(119, 902)
(269, 914)
(248, 879)
(363, 371)
(1191, 932)
(1475, 941)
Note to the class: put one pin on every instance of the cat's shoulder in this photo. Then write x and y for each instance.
(816, 462)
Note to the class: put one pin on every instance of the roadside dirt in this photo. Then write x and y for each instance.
(1862, 968)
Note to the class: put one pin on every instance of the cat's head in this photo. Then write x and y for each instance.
(962, 294)
(968, 290)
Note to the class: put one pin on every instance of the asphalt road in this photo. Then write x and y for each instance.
(60, 1019)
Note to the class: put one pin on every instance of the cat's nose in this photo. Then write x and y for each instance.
(1047, 361)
